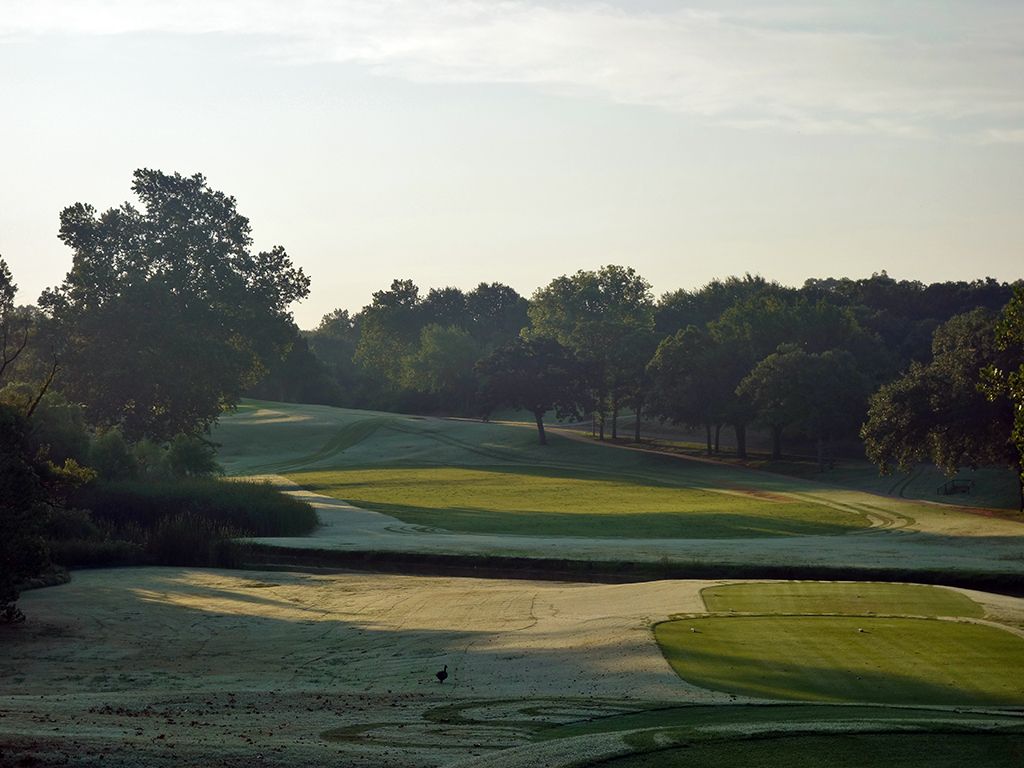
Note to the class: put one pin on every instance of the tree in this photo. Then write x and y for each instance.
(14, 330)
(775, 388)
(688, 381)
(299, 377)
(597, 315)
(835, 392)
(23, 511)
(497, 313)
(443, 365)
(388, 332)
(167, 313)
(937, 411)
(445, 307)
(537, 375)
(1005, 379)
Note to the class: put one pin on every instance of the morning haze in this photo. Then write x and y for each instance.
(454, 143)
(460, 384)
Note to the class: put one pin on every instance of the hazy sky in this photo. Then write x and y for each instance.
(455, 141)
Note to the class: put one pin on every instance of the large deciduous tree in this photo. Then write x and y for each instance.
(1005, 378)
(690, 382)
(537, 375)
(599, 316)
(167, 312)
(938, 412)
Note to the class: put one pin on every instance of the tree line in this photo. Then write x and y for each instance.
(918, 372)
(168, 317)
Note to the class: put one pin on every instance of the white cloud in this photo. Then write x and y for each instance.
(922, 68)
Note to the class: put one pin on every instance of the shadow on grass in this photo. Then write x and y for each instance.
(929, 662)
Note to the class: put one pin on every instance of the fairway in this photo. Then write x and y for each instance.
(473, 477)
(398, 483)
(552, 502)
(862, 598)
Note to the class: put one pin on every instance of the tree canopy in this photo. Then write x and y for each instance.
(167, 313)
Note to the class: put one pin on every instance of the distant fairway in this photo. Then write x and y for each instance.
(550, 502)
(477, 477)
(845, 658)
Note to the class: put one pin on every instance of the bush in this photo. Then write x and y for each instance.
(97, 553)
(111, 456)
(255, 509)
(66, 524)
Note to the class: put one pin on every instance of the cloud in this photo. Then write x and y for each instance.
(922, 68)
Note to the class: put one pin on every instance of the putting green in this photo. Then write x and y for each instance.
(565, 502)
(907, 750)
(810, 597)
(847, 659)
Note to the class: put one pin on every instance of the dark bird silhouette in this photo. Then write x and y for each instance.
(443, 674)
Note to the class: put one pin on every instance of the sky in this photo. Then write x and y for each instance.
(460, 141)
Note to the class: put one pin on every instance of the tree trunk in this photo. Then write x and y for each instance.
(615, 420)
(539, 416)
(636, 427)
(718, 436)
(741, 440)
(707, 432)
(776, 442)
(600, 425)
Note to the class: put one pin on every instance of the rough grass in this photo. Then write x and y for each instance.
(918, 750)
(815, 597)
(551, 502)
(257, 509)
(847, 659)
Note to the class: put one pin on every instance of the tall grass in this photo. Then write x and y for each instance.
(173, 522)
(248, 509)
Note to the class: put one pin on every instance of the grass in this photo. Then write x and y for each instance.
(793, 651)
(806, 735)
(553, 502)
(814, 597)
(907, 750)
(829, 659)
(494, 478)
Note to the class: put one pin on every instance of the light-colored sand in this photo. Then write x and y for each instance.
(169, 666)
(177, 642)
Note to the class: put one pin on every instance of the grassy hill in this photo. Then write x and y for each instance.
(478, 477)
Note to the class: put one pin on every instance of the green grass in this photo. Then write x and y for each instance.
(494, 478)
(906, 750)
(469, 476)
(815, 597)
(553, 502)
(828, 659)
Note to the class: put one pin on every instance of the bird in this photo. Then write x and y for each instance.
(442, 675)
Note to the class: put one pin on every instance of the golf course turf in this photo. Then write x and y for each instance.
(559, 502)
(788, 652)
(840, 750)
(817, 597)
(291, 661)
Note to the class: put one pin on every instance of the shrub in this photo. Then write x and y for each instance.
(255, 508)
(111, 456)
